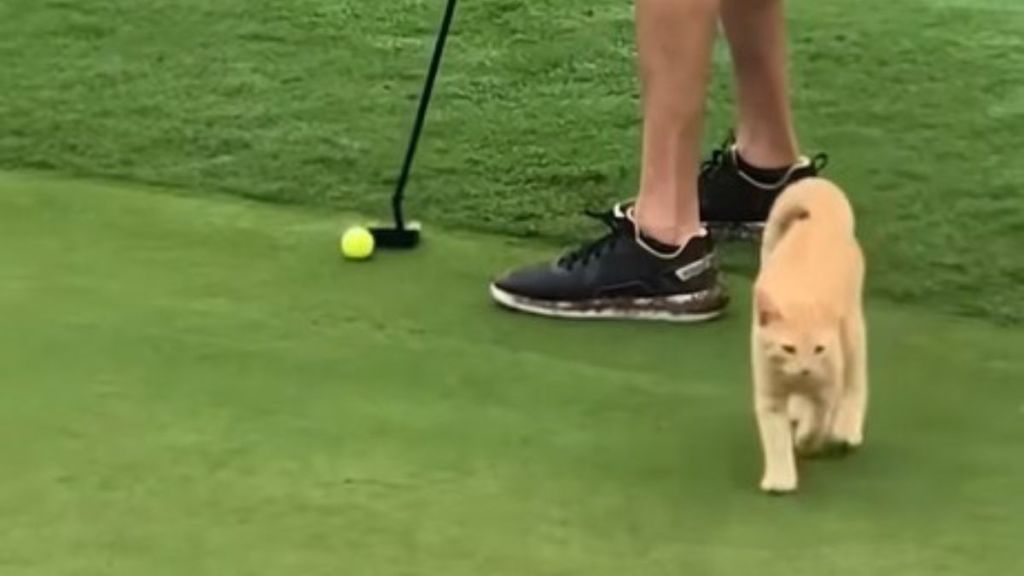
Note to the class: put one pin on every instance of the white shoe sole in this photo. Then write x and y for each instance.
(746, 231)
(573, 310)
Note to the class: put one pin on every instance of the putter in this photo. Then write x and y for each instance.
(404, 234)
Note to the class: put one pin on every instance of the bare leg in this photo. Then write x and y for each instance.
(674, 41)
(756, 31)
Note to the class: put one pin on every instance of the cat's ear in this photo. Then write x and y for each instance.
(767, 311)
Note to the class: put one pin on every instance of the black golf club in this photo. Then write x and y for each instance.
(407, 234)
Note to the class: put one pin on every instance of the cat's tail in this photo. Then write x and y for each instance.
(810, 199)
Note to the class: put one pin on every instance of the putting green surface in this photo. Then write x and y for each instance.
(201, 386)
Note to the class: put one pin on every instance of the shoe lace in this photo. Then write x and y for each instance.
(717, 158)
(592, 250)
(819, 161)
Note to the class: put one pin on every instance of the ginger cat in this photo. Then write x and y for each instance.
(809, 349)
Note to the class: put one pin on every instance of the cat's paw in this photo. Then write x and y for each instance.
(843, 447)
(845, 441)
(809, 445)
(778, 485)
(847, 431)
(838, 448)
(852, 441)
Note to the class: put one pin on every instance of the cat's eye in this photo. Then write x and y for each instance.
(819, 349)
(789, 349)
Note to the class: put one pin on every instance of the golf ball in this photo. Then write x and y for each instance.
(357, 243)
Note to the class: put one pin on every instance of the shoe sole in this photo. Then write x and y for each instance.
(747, 231)
(664, 309)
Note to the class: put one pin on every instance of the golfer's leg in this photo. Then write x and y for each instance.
(674, 41)
(668, 270)
(756, 31)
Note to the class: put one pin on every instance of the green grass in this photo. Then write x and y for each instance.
(196, 384)
(202, 386)
(919, 102)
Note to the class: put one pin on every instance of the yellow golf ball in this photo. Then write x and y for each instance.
(357, 243)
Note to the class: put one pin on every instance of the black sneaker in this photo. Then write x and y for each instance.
(620, 275)
(735, 198)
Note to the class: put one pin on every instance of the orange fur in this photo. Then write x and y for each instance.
(808, 346)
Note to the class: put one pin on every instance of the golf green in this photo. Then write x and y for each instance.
(202, 386)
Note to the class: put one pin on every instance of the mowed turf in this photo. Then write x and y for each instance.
(536, 114)
(202, 386)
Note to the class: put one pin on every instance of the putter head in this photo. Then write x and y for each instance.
(393, 237)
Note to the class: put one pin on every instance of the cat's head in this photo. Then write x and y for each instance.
(798, 340)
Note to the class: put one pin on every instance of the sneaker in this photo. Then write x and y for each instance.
(621, 275)
(735, 198)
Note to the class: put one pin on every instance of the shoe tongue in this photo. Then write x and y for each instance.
(619, 225)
